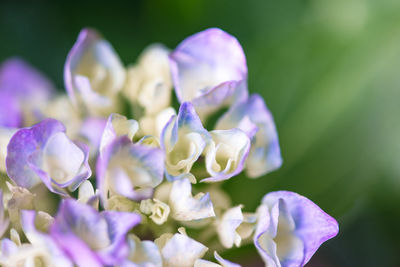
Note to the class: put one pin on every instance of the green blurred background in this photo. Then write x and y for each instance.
(329, 71)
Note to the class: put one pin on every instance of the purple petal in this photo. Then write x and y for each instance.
(119, 224)
(23, 81)
(30, 150)
(311, 224)
(10, 111)
(133, 166)
(208, 66)
(92, 129)
(183, 132)
(90, 237)
(38, 238)
(23, 92)
(252, 116)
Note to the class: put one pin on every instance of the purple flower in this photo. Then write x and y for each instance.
(290, 229)
(23, 93)
(44, 153)
(253, 117)
(91, 238)
(129, 170)
(209, 69)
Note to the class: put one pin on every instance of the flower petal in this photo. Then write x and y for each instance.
(291, 228)
(183, 140)
(223, 262)
(181, 251)
(5, 137)
(227, 225)
(149, 81)
(23, 91)
(54, 255)
(208, 68)
(185, 207)
(144, 253)
(93, 72)
(125, 166)
(253, 117)
(117, 125)
(226, 154)
(92, 237)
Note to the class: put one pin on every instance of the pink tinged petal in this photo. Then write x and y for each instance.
(208, 68)
(253, 117)
(182, 251)
(183, 139)
(125, 167)
(93, 72)
(226, 154)
(43, 152)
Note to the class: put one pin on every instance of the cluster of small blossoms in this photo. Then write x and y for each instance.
(149, 192)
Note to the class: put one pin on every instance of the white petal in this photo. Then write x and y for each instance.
(182, 251)
(185, 207)
(226, 154)
(62, 158)
(226, 227)
(144, 253)
(5, 136)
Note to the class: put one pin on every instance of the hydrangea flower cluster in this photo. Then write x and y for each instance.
(136, 182)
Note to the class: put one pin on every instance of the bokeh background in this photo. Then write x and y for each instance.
(328, 70)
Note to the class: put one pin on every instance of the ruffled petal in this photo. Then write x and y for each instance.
(185, 207)
(226, 154)
(183, 140)
(130, 170)
(253, 117)
(227, 225)
(44, 153)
